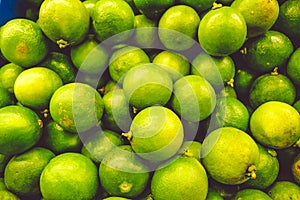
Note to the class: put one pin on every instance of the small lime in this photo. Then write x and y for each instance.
(250, 194)
(153, 9)
(8, 75)
(293, 69)
(284, 190)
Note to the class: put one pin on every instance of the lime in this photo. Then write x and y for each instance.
(297, 105)
(227, 91)
(230, 156)
(181, 178)
(124, 59)
(2, 185)
(216, 26)
(282, 190)
(243, 81)
(76, 107)
(20, 129)
(90, 57)
(89, 5)
(293, 69)
(267, 169)
(59, 140)
(230, 112)
(22, 172)
(22, 42)
(213, 195)
(275, 124)
(250, 194)
(175, 64)
(100, 143)
(55, 17)
(145, 35)
(7, 195)
(296, 168)
(190, 149)
(255, 11)
(8, 75)
(153, 9)
(286, 158)
(199, 6)
(147, 85)
(69, 176)
(112, 17)
(177, 27)
(194, 98)
(270, 50)
(122, 173)
(34, 87)
(3, 161)
(108, 87)
(6, 98)
(95, 80)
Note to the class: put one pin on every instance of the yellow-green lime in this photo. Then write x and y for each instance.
(293, 69)
(8, 75)
(145, 34)
(227, 91)
(2, 185)
(153, 9)
(6, 98)
(296, 105)
(282, 190)
(250, 194)
(230, 156)
(7, 195)
(22, 42)
(296, 168)
(20, 129)
(34, 87)
(199, 6)
(190, 149)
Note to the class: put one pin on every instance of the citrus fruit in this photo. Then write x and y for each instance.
(3, 161)
(147, 85)
(61, 64)
(267, 169)
(181, 178)
(89, 5)
(124, 59)
(216, 26)
(243, 81)
(296, 168)
(296, 105)
(2, 185)
(8, 75)
(271, 87)
(249, 194)
(199, 6)
(76, 107)
(111, 18)
(22, 172)
(34, 87)
(216, 70)
(22, 42)
(286, 158)
(89, 56)
(230, 156)
(284, 190)
(153, 9)
(213, 195)
(177, 27)
(7, 195)
(190, 149)
(145, 34)
(122, 173)
(6, 98)
(115, 198)
(267, 51)
(225, 2)
(293, 69)
(230, 112)
(175, 64)
(194, 98)
(227, 91)
(69, 176)
(20, 129)
(275, 124)
(59, 140)
(253, 13)
(55, 17)
(101, 143)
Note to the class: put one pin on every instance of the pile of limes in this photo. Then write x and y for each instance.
(150, 99)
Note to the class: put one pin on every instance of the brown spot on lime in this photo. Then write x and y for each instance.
(22, 50)
(67, 122)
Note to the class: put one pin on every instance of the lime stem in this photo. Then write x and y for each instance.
(230, 83)
(134, 110)
(40, 123)
(251, 172)
(128, 135)
(243, 51)
(275, 71)
(187, 153)
(125, 187)
(62, 43)
(297, 144)
(216, 6)
(272, 152)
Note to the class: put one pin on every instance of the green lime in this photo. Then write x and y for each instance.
(213, 195)
(243, 81)
(156, 133)
(147, 85)
(122, 173)
(145, 34)
(286, 158)
(231, 112)
(181, 178)
(59, 140)
(267, 51)
(297, 105)
(69, 176)
(199, 6)
(275, 124)
(255, 11)
(250, 194)
(22, 172)
(230, 156)
(20, 129)
(34, 87)
(100, 143)
(153, 9)
(225, 2)
(177, 27)
(22, 42)
(124, 59)
(267, 169)
(8, 75)
(227, 91)
(175, 64)
(2, 184)
(216, 26)
(89, 5)
(282, 190)
(296, 168)
(76, 107)
(108, 87)
(7, 195)
(3, 161)
(97, 80)
(113, 18)
(293, 69)
(190, 149)
(6, 98)
(62, 65)
(194, 98)
(55, 17)
(89, 56)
